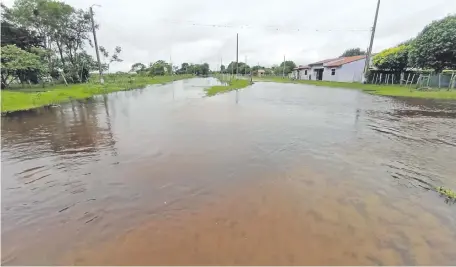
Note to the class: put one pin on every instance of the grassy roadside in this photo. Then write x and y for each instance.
(232, 85)
(28, 98)
(385, 90)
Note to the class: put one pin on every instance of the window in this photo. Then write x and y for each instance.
(333, 71)
(305, 72)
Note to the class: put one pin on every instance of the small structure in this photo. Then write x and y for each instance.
(260, 72)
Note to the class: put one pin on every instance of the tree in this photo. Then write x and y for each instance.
(242, 68)
(13, 34)
(159, 67)
(394, 59)
(353, 52)
(222, 68)
(15, 60)
(64, 30)
(138, 67)
(113, 58)
(289, 66)
(435, 46)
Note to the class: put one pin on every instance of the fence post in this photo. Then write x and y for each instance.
(439, 80)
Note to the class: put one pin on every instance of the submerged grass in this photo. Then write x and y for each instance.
(231, 85)
(385, 90)
(448, 193)
(28, 98)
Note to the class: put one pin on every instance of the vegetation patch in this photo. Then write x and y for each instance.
(231, 85)
(385, 90)
(448, 193)
(33, 97)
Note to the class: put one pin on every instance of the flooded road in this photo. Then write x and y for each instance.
(275, 174)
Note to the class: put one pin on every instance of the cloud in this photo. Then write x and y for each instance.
(302, 30)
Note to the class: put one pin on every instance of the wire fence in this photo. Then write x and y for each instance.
(417, 79)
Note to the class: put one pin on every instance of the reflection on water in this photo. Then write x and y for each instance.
(271, 174)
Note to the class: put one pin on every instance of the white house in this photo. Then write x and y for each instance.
(343, 69)
(346, 69)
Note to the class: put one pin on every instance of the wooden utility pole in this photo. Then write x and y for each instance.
(96, 45)
(283, 69)
(237, 53)
(369, 51)
(171, 64)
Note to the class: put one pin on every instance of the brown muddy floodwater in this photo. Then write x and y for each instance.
(275, 174)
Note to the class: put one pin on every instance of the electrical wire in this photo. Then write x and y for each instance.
(265, 27)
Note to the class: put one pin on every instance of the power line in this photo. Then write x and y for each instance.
(265, 27)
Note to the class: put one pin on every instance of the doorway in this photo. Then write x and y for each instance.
(319, 74)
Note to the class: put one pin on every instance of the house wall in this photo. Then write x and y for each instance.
(350, 72)
(303, 75)
(294, 74)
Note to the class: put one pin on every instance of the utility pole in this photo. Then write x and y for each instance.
(96, 45)
(283, 69)
(369, 51)
(237, 53)
(171, 64)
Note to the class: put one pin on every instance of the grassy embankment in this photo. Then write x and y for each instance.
(385, 90)
(232, 84)
(36, 96)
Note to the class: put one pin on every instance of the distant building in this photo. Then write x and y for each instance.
(343, 69)
(261, 72)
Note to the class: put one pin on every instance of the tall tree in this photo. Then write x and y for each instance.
(289, 66)
(394, 59)
(353, 52)
(65, 31)
(14, 34)
(435, 46)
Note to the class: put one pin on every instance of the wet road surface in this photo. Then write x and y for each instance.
(271, 174)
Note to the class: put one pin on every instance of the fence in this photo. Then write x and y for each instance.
(447, 79)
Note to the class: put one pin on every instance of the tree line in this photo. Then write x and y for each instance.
(243, 68)
(45, 40)
(434, 48)
(160, 67)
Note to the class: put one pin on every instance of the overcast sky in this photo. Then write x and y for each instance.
(302, 30)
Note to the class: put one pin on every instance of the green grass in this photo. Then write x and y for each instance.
(448, 193)
(385, 90)
(232, 85)
(28, 98)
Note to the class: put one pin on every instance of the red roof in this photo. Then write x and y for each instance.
(323, 61)
(343, 60)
